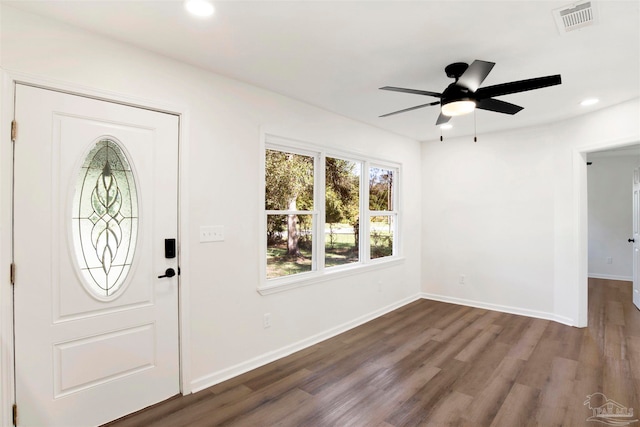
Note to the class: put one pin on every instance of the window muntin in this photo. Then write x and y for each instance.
(105, 219)
(372, 233)
(342, 212)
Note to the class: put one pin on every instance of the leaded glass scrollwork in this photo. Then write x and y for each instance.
(105, 218)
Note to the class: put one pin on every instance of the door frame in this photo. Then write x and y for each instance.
(7, 105)
(580, 215)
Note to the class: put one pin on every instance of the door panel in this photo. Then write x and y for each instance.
(122, 352)
(84, 357)
(74, 301)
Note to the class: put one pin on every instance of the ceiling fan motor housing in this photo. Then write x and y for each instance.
(455, 93)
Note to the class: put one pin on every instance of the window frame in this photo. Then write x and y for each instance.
(314, 212)
(319, 272)
(393, 213)
(353, 159)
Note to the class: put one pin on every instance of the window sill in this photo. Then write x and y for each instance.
(304, 279)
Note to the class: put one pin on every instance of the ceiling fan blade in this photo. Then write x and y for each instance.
(498, 106)
(442, 119)
(414, 91)
(518, 86)
(473, 77)
(412, 108)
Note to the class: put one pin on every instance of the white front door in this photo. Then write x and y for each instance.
(96, 329)
(636, 237)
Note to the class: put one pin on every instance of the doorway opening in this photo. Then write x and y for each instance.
(606, 216)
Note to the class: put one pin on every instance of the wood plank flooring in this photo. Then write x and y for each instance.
(435, 364)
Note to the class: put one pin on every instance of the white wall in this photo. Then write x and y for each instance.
(482, 206)
(225, 120)
(610, 214)
(509, 213)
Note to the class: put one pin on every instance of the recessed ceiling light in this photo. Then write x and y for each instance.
(446, 126)
(201, 8)
(589, 101)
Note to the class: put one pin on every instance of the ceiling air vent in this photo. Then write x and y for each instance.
(574, 16)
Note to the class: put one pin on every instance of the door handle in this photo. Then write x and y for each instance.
(631, 240)
(169, 272)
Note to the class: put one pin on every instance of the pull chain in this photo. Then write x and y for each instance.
(475, 132)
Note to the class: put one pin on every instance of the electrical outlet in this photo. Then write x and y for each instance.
(463, 279)
(266, 320)
(211, 233)
(609, 260)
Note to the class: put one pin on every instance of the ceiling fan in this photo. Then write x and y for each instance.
(465, 94)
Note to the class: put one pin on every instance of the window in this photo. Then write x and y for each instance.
(342, 212)
(289, 202)
(105, 219)
(382, 215)
(325, 211)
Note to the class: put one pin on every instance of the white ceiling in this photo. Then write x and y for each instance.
(336, 54)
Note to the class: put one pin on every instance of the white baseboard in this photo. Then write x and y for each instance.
(610, 277)
(502, 308)
(241, 368)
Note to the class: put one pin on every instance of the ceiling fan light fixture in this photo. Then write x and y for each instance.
(458, 108)
(446, 126)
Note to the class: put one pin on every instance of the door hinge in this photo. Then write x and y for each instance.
(12, 274)
(14, 130)
(15, 414)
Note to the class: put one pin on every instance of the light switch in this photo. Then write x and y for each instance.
(211, 233)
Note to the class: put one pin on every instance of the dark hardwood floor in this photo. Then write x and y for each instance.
(435, 364)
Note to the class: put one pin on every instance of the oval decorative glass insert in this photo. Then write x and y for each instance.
(105, 218)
